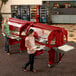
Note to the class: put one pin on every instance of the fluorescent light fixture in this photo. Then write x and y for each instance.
(58, 0)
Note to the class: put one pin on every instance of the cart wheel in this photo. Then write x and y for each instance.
(51, 65)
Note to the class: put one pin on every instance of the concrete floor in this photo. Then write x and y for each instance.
(12, 65)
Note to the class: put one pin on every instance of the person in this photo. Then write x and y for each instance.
(30, 44)
(6, 33)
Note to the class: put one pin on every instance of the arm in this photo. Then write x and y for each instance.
(3, 31)
(2, 28)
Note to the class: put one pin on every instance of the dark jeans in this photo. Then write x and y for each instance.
(6, 44)
(30, 62)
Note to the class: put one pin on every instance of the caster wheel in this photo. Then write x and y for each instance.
(51, 65)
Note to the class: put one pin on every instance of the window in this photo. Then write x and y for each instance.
(56, 5)
(20, 12)
(67, 5)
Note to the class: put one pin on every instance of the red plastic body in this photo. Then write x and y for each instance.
(57, 33)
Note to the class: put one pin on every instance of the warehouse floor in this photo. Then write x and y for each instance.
(12, 65)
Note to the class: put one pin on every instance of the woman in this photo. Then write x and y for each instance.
(30, 44)
(6, 33)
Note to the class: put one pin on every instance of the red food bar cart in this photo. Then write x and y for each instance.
(47, 37)
(17, 29)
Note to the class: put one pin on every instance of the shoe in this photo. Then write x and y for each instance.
(34, 71)
(24, 70)
(51, 65)
(8, 53)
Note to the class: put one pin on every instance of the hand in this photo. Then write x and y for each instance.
(32, 49)
(5, 34)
